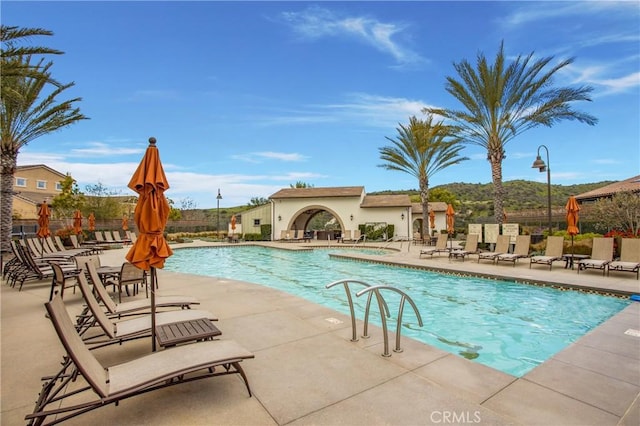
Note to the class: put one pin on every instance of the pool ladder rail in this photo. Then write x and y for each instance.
(383, 307)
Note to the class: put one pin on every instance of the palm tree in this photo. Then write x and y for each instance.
(421, 149)
(503, 100)
(11, 53)
(24, 116)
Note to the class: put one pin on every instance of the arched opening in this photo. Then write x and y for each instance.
(318, 222)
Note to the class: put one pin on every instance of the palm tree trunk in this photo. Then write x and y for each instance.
(424, 200)
(8, 167)
(498, 190)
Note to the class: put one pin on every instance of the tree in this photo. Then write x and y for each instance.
(300, 184)
(258, 201)
(422, 149)
(26, 113)
(102, 202)
(620, 212)
(501, 101)
(69, 200)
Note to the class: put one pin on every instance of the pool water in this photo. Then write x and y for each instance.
(508, 326)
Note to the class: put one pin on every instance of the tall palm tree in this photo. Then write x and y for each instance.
(501, 101)
(24, 116)
(421, 149)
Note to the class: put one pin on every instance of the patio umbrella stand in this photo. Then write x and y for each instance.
(150, 216)
(450, 223)
(43, 224)
(572, 208)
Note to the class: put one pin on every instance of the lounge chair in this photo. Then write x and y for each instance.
(127, 329)
(138, 306)
(357, 235)
(60, 399)
(629, 257)
(441, 246)
(470, 247)
(91, 248)
(553, 252)
(601, 255)
(502, 247)
(520, 251)
(36, 268)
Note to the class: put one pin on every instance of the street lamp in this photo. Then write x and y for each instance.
(219, 197)
(540, 164)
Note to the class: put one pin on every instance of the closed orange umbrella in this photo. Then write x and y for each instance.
(125, 222)
(43, 221)
(573, 210)
(432, 219)
(77, 222)
(92, 222)
(233, 222)
(151, 214)
(450, 219)
(450, 222)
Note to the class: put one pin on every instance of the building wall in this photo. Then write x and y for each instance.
(251, 220)
(35, 184)
(39, 180)
(289, 214)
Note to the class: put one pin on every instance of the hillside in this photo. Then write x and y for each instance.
(520, 194)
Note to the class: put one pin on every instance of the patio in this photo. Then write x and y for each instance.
(306, 371)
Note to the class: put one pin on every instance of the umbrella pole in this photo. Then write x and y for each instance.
(153, 308)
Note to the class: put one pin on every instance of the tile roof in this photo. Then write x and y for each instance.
(386, 201)
(631, 184)
(329, 192)
(436, 206)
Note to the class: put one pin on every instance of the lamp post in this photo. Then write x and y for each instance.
(540, 164)
(219, 197)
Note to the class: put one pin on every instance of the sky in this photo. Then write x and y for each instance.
(252, 97)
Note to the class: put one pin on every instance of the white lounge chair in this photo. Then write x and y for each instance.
(502, 247)
(629, 257)
(441, 246)
(553, 252)
(520, 251)
(601, 255)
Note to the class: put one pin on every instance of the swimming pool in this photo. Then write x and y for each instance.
(508, 326)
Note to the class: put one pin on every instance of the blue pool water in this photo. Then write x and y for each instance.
(508, 326)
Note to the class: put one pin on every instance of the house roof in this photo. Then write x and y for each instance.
(40, 166)
(329, 192)
(631, 184)
(386, 201)
(436, 206)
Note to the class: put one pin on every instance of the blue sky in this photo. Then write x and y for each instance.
(251, 97)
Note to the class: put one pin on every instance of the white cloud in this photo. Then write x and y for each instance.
(317, 22)
(257, 157)
(100, 149)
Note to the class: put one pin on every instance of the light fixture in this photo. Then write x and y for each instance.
(540, 164)
(218, 198)
(402, 216)
(279, 218)
(351, 217)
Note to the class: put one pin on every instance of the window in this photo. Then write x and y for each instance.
(256, 222)
(21, 181)
(58, 186)
(41, 184)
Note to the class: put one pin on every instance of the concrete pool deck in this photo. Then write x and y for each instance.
(306, 370)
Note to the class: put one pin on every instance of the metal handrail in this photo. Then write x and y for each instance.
(376, 289)
(345, 283)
